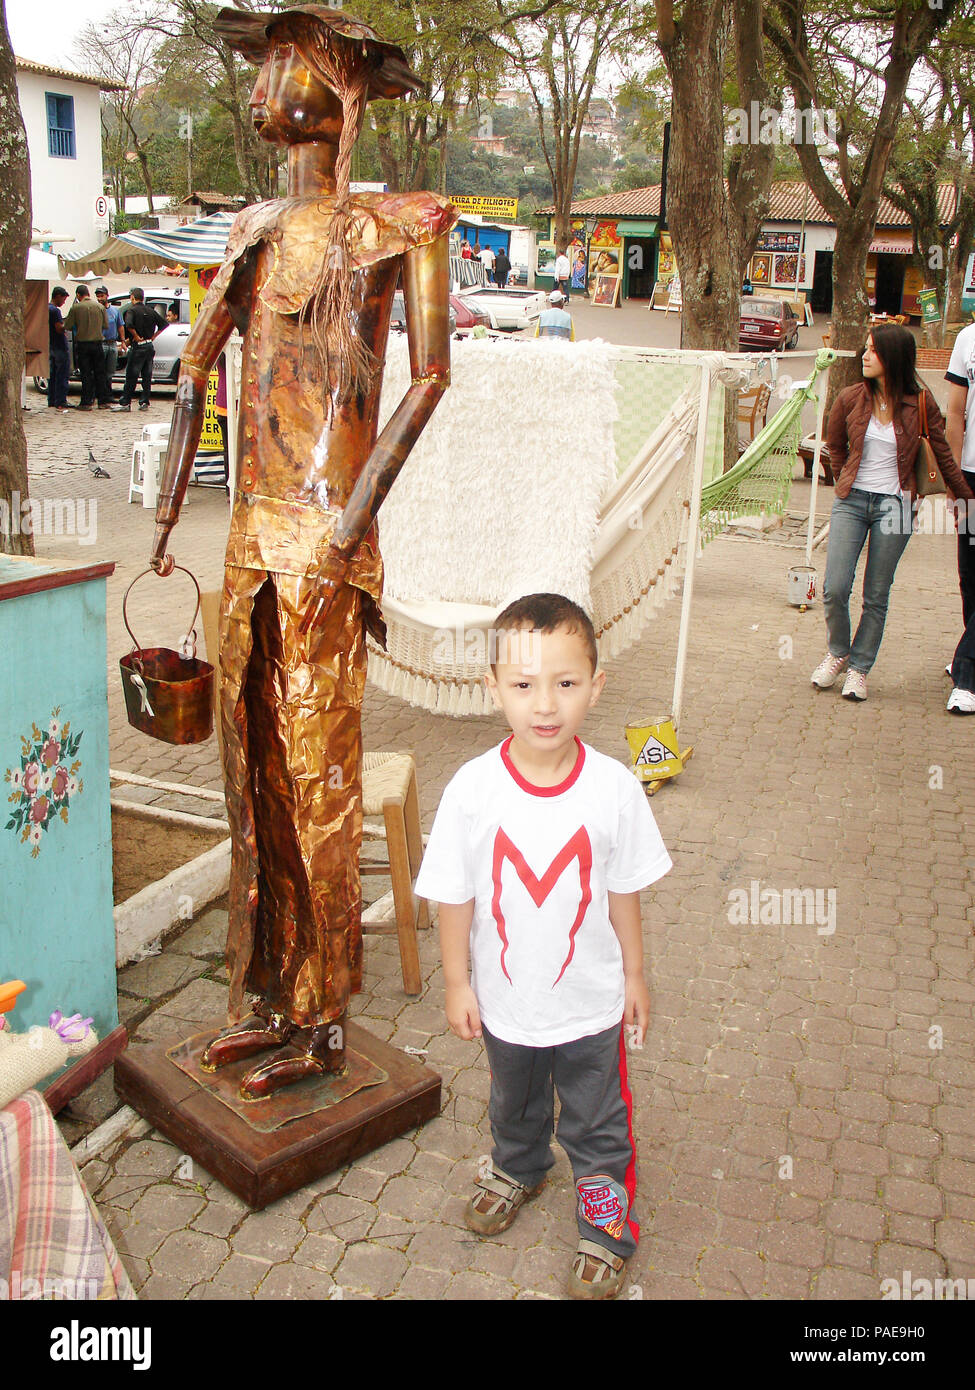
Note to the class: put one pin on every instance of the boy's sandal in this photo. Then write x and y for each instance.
(596, 1272)
(496, 1202)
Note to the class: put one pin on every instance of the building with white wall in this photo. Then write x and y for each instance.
(62, 117)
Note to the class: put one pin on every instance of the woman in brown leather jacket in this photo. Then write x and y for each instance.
(874, 435)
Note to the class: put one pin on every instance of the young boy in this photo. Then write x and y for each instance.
(537, 856)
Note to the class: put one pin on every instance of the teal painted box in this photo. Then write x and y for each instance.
(57, 932)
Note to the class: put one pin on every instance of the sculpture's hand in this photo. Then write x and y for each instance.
(329, 581)
(162, 563)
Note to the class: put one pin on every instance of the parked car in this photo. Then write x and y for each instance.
(168, 346)
(767, 324)
(507, 309)
(467, 316)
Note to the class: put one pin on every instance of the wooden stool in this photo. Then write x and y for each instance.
(389, 790)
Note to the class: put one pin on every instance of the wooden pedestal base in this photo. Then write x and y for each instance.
(259, 1166)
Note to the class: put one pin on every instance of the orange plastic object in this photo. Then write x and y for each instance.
(8, 994)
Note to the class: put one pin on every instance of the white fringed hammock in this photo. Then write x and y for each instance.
(524, 482)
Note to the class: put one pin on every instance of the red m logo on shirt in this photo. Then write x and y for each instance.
(579, 847)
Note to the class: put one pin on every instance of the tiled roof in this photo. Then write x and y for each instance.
(635, 202)
(211, 200)
(786, 201)
(27, 65)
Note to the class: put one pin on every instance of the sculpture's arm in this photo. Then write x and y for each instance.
(208, 336)
(426, 287)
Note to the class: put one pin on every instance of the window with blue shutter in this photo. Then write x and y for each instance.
(60, 126)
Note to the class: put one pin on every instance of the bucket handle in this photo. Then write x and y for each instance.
(188, 644)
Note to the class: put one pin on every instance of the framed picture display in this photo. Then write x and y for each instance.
(605, 290)
(784, 272)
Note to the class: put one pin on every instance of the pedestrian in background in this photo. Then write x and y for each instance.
(59, 361)
(487, 261)
(88, 320)
(555, 321)
(874, 437)
(112, 335)
(563, 271)
(960, 377)
(141, 325)
(502, 269)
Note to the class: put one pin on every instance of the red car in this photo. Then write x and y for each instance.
(467, 316)
(767, 324)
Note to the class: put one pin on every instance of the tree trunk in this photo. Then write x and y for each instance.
(15, 223)
(850, 308)
(712, 250)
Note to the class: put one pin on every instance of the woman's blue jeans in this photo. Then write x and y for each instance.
(884, 522)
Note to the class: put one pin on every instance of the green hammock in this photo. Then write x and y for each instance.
(761, 479)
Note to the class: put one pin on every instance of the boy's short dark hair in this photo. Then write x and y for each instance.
(546, 613)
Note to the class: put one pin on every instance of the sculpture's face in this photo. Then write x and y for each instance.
(290, 103)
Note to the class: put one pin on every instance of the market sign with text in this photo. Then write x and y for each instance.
(487, 207)
(928, 300)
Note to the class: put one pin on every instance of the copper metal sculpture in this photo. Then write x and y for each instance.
(308, 281)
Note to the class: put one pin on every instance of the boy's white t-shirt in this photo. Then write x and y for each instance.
(546, 965)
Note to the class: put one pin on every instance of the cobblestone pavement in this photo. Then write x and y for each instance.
(804, 1099)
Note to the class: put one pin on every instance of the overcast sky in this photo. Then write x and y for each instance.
(45, 30)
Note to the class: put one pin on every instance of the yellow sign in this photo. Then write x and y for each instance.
(487, 207)
(653, 750)
(211, 440)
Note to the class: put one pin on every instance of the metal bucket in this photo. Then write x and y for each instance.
(168, 694)
(653, 749)
(802, 586)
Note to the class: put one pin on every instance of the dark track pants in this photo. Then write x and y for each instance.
(594, 1126)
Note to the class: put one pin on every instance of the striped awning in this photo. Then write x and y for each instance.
(203, 242)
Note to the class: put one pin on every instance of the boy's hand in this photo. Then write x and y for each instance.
(462, 1011)
(636, 1009)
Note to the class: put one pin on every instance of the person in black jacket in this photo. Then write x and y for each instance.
(502, 269)
(141, 325)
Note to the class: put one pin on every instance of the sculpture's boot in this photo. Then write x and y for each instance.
(322, 1055)
(254, 1034)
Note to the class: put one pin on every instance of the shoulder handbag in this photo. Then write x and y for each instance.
(927, 474)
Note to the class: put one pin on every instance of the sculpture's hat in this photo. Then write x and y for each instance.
(250, 33)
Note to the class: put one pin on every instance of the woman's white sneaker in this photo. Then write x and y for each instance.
(961, 701)
(828, 669)
(855, 686)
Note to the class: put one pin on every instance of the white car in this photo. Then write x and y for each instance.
(507, 309)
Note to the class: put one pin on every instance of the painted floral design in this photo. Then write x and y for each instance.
(45, 782)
